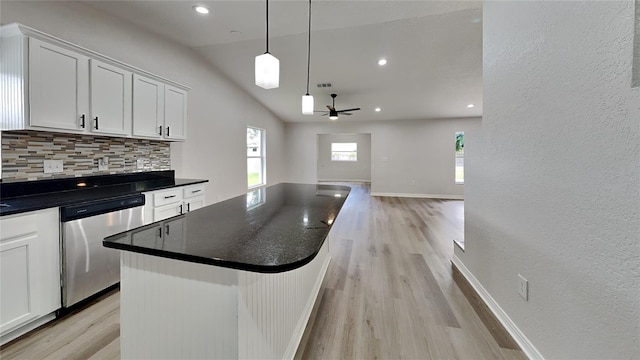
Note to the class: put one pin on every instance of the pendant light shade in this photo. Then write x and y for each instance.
(307, 104)
(307, 100)
(267, 65)
(267, 71)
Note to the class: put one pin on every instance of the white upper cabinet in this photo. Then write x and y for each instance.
(148, 107)
(175, 113)
(75, 90)
(110, 99)
(58, 87)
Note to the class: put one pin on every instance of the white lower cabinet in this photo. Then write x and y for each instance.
(29, 270)
(163, 204)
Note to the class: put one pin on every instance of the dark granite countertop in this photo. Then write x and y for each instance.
(268, 230)
(19, 197)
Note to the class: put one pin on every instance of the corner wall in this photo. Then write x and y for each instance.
(218, 111)
(408, 157)
(553, 176)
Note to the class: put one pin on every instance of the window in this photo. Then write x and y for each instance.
(255, 157)
(344, 151)
(459, 157)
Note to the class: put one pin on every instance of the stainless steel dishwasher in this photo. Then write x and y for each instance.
(87, 266)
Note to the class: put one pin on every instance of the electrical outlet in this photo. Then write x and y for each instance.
(523, 288)
(53, 166)
(140, 163)
(103, 164)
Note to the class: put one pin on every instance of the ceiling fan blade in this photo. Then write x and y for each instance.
(352, 109)
(344, 113)
(325, 114)
(330, 108)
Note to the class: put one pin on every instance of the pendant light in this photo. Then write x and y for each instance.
(307, 100)
(267, 66)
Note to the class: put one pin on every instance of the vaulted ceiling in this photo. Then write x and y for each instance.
(433, 51)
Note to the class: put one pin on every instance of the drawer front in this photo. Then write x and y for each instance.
(167, 197)
(193, 191)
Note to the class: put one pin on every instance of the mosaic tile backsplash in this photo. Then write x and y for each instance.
(24, 152)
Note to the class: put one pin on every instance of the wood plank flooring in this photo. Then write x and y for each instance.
(389, 293)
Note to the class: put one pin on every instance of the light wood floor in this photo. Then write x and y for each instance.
(389, 293)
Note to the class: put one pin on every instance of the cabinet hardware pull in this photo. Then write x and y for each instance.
(96, 119)
(167, 232)
(167, 131)
(159, 232)
(160, 130)
(188, 207)
(169, 196)
(195, 191)
(181, 210)
(82, 119)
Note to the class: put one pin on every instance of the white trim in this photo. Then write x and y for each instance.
(344, 180)
(527, 347)
(425, 196)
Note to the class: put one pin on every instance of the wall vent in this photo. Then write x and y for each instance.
(324, 85)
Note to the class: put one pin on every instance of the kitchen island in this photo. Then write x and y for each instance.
(237, 279)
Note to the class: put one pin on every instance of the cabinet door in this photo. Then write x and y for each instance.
(175, 113)
(148, 107)
(173, 233)
(194, 203)
(167, 211)
(58, 87)
(18, 272)
(110, 99)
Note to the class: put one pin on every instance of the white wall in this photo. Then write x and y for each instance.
(402, 152)
(218, 110)
(359, 170)
(553, 176)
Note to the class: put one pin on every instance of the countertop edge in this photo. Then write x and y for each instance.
(264, 269)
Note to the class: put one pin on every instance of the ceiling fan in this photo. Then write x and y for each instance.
(333, 113)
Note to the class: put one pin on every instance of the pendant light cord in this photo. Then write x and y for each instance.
(309, 49)
(267, 27)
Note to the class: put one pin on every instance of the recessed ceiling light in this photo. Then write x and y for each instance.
(470, 105)
(201, 9)
(377, 109)
(382, 62)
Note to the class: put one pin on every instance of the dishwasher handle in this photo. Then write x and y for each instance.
(87, 209)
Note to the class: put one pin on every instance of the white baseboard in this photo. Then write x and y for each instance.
(14, 334)
(423, 196)
(344, 180)
(527, 347)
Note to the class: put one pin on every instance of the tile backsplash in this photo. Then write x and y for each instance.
(24, 152)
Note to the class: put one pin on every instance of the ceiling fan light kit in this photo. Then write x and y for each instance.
(267, 65)
(307, 100)
(333, 113)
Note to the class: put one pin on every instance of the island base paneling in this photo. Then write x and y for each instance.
(178, 309)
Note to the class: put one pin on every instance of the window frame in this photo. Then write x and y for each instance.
(458, 154)
(344, 152)
(262, 157)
